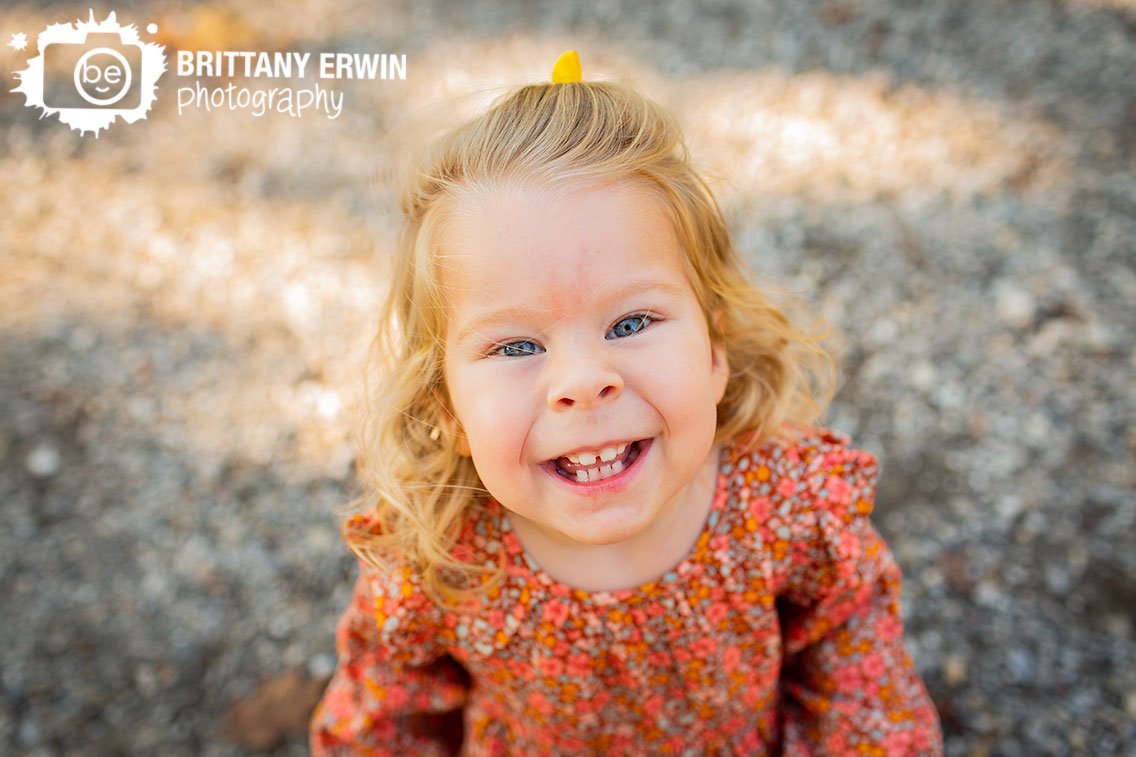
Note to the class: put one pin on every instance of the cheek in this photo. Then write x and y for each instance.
(490, 409)
(681, 391)
(686, 372)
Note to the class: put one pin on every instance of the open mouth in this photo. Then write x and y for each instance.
(588, 467)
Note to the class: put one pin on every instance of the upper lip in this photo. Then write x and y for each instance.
(596, 448)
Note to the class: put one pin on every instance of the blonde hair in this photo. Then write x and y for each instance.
(418, 486)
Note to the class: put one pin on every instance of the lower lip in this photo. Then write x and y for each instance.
(610, 485)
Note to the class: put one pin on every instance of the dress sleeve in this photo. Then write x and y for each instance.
(394, 691)
(849, 685)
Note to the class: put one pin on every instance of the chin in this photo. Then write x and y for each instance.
(606, 534)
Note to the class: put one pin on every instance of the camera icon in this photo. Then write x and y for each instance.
(93, 73)
(102, 71)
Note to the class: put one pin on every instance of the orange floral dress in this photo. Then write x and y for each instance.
(779, 633)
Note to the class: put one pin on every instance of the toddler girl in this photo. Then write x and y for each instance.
(598, 520)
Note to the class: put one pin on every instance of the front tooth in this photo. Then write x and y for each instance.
(585, 458)
(607, 454)
(582, 476)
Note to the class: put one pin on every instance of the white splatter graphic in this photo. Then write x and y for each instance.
(108, 72)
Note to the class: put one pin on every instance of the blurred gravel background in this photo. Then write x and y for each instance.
(185, 301)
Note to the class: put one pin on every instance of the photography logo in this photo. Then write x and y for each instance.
(90, 73)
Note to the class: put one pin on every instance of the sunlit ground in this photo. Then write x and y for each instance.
(250, 227)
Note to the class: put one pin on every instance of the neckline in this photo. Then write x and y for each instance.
(670, 577)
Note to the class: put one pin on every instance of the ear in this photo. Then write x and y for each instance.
(462, 443)
(719, 370)
(719, 360)
(449, 427)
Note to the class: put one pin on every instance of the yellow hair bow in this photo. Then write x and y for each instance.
(567, 68)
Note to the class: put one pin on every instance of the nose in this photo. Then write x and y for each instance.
(582, 381)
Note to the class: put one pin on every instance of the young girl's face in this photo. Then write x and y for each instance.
(578, 359)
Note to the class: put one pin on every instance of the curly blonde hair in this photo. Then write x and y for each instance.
(417, 485)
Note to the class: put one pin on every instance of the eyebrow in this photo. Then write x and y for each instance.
(519, 313)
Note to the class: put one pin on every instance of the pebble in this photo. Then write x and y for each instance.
(883, 332)
(43, 461)
(29, 733)
(1013, 304)
(989, 595)
(321, 665)
(1057, 578)
(954, 669)
(1021, 665)
(923, 375)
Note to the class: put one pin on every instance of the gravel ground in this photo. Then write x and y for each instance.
(186, 301)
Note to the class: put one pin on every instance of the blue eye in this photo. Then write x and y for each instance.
(520, 348)
(629, 325)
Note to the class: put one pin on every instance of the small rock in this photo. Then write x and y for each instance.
(141, 408)
(1021, 665)
(883, 331)
(43, 461)
(1038, 429)
(145, 679)
(29, 734)
(321, 665)
(82, 339)
(1009, 506)
(1014, 305)
(988, 594)
(954, 669)
(280, 626)
(1057, 578)
(1118, 626)
(923, 376)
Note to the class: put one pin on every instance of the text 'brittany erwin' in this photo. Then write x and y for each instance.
(289, 65)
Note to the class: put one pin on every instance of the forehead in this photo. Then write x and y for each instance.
(554, 250)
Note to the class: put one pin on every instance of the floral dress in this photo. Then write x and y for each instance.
(779, 633)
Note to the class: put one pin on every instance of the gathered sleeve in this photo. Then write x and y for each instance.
(394, 682)
(849, 685)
